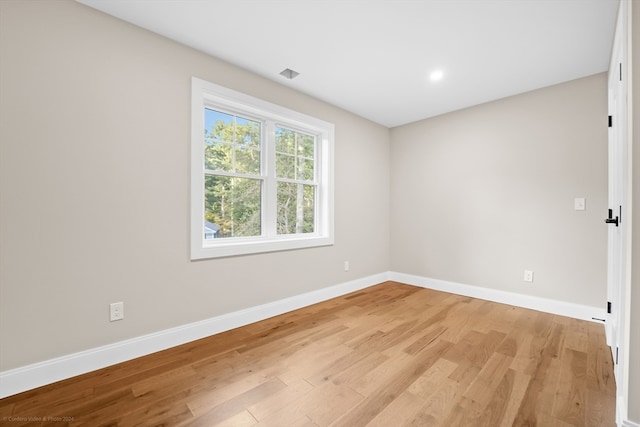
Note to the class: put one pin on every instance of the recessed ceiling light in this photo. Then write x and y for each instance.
(436, 75)
(289, 73)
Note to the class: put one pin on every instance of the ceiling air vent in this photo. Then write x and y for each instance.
(289, 73)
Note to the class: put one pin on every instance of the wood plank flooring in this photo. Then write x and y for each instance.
(390, 355)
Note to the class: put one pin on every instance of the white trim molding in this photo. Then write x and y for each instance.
(621, 414)
(562, 308)
(209, 96)
(49, 371)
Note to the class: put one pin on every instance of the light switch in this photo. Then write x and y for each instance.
(579, 204)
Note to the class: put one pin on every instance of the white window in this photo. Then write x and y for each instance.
(261, 175)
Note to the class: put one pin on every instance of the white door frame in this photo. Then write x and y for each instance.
(617, 326)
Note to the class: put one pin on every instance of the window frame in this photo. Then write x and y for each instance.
(209, 95)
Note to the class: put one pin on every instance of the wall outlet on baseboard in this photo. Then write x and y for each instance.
(528, 276)
(116, 311)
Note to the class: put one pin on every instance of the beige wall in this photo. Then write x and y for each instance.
(94, 187)
(482, 194)
(634, 333)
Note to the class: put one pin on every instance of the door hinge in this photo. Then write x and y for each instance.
(621, 71)
(608, 307)
(610, 121)
(617, 355)
(620, 215)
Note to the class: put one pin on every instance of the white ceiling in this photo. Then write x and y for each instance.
(374, 57)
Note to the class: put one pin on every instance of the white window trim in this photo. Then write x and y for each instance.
(209, 94)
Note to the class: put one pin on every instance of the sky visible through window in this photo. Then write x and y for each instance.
(211, 117)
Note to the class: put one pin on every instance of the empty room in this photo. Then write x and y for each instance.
(319, 213)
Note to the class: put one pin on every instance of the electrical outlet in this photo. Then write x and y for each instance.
(346, 266)
(116, 311)
(579, 203)
(528, 276)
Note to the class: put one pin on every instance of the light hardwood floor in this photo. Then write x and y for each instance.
(390, 355)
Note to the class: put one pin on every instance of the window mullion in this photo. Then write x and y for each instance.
(232, 174)
(271, 185)
(321, 178)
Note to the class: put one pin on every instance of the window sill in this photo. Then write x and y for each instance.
(227, 249)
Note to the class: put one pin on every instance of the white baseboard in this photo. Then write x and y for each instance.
(621, 413)
(49, 371)
(562, 308)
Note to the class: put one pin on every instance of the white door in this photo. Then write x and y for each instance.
(615, 217)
